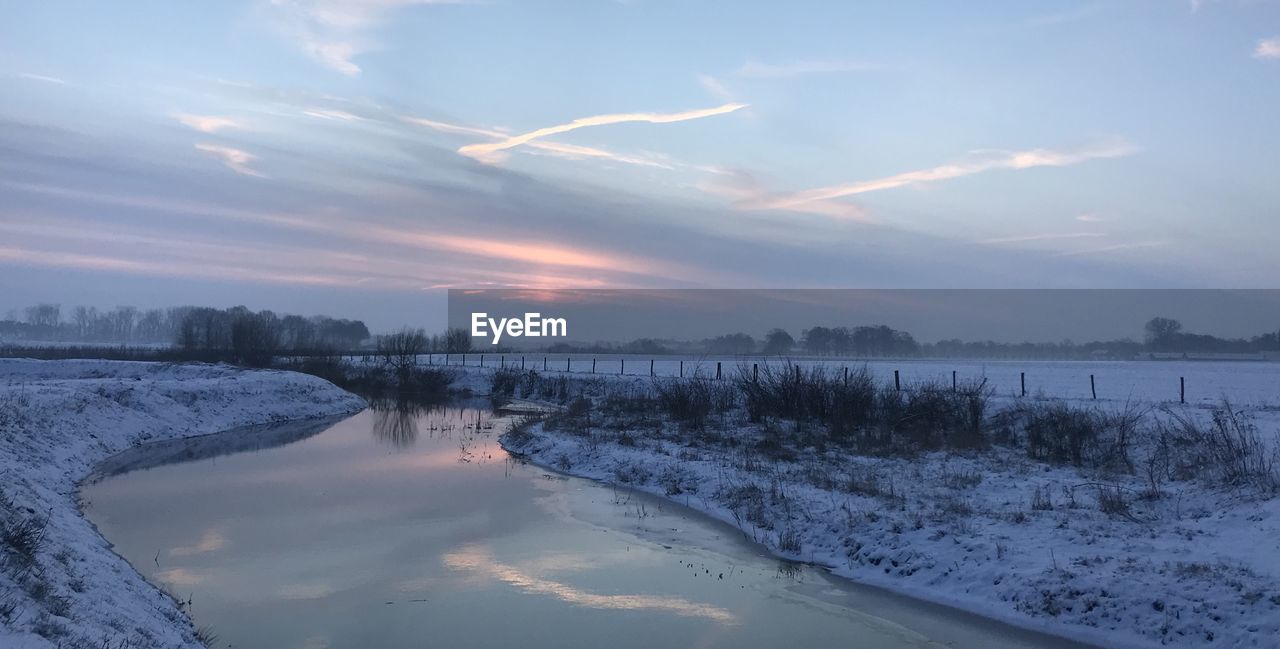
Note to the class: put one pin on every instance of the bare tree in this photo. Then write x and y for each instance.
(400, 350)
(44, 315)
(457, 340)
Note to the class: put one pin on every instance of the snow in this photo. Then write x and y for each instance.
(1198, 567)
(1252, 382)
(58, 419)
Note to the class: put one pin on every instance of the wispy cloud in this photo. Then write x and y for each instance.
(817, 200)
(1268, 48)
(756, 70)
(1089, 217)
(42, 77)
(1044, 237)
(208, 123)
(715, 87)
(568, 151)
(485, 151)
(1114, 248)
(333, 32)
(535, 256)
(235, 159)
(1068, 16)
(332, 114)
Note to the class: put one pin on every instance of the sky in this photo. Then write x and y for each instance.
(359, 157)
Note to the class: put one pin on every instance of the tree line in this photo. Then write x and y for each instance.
(238, 332)
(1162, 335)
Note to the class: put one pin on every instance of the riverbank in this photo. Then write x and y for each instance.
(1140, 540)
(61, 584)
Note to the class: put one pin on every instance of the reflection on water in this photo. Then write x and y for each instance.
(397, 420)
(408, 526)
(480, 561)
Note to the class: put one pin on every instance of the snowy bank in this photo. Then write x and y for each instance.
(60, 583)
(1135, 555)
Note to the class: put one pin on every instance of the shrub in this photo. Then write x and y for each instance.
(1226, 452)
(692, 401)
(22, 535)
(1111, 501)
(1085, 437)
(505, 382)
(929, 416)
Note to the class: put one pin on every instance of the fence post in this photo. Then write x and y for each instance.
(464, 360)
(797, 374)
(953, 381)
(755, 372)
(521, 363)
(593, 366)
(1023, 376)
(1093, 387)
(446, 359)
(650, 367)
(502, 361)
(544, 363)
(846, 377)
(622, 366)
(682, 369)
(429, 360)
(897, 382)
(717, 370)
(1182, 389)
(566, 363)
(482, 360)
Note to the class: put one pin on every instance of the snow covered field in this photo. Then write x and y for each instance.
(1097, 555)
(59, 418)
(1245, 382)
(992, 531)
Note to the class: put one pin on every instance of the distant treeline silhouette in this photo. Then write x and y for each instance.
(1163, 336)
(236, 334)
(250, 337)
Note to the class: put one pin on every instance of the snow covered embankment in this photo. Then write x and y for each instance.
(60, 583)
(1130, 557)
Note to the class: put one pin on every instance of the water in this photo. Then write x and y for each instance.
(404, 527)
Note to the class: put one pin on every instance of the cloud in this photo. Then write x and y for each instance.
(754, 70)
(1114, 248)
(485, 151)
(537, 260)
(1063, 17)
(1268, 49)
(817, 200)
(1043, 237)
(41, 77)
(208, 123)
(333, 32)
(332, 114)
(1089, 218)
(235, 159)
(715, 87)
(568, 151)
